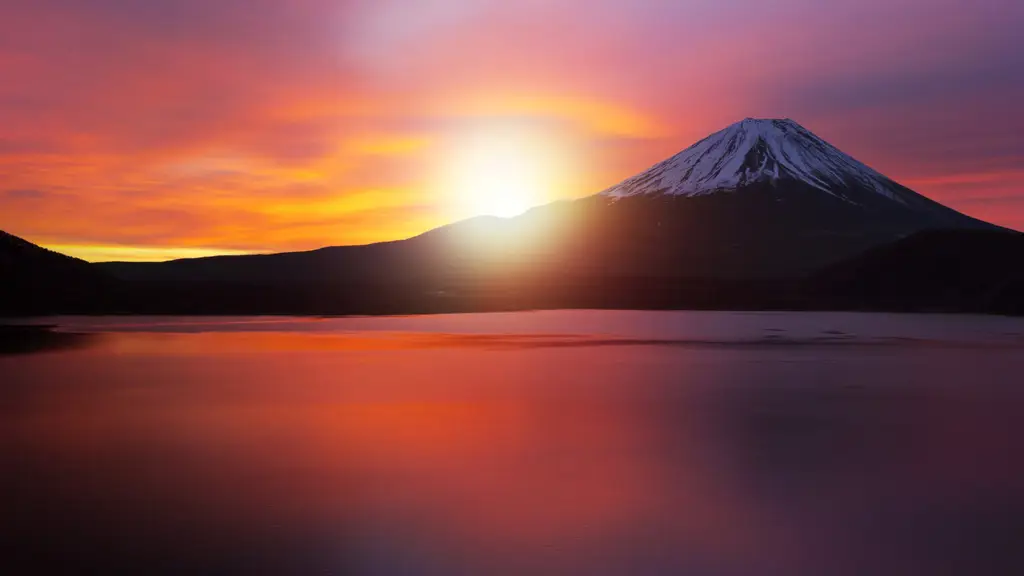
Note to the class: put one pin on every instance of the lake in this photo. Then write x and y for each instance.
(561, 442)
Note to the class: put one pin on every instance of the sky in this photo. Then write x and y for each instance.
(154, 129)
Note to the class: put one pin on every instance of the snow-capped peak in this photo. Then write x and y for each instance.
(757, 151)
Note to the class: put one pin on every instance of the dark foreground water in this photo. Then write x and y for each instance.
(530, 443)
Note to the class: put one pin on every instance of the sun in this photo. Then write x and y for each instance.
(499, 171)
(497, 177)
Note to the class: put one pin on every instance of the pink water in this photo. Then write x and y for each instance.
(530, 443)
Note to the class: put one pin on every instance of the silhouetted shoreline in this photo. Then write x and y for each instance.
(29, 338)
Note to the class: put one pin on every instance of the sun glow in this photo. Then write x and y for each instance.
(500, 171)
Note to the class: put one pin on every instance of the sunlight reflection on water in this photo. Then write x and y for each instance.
(543, 443)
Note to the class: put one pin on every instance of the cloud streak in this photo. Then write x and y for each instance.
(265, 125)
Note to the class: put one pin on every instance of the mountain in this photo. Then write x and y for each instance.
(768, 198)
(780, 152)
(779, 158)
(34, 280)
(935, 270)
(736, 220)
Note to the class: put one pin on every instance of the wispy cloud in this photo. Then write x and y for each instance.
(264, 125)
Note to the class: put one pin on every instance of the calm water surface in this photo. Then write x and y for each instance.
(575, 442)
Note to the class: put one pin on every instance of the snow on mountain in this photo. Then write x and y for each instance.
(758, 151)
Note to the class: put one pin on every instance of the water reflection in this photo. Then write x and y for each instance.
(295, 453)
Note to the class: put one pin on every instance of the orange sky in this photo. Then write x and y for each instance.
(133, 130)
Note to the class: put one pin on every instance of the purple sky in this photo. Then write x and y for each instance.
(257, 125)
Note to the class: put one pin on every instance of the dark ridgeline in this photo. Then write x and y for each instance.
(974, 271)
(762, 215)
(34, 280)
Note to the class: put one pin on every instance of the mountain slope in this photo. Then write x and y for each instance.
(935, 270)
(763, 201)
(34, 280)
(776, 155)
(21, 259)
(754, 151)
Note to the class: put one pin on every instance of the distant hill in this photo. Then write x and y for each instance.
(761, 203)
(939, 270)
(34, 280)
(763, 214)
